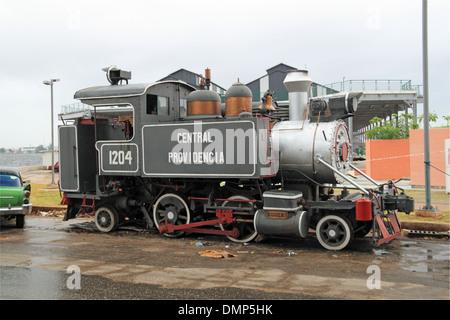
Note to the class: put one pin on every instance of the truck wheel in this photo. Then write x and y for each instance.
(334, 232)
(106, 219)
(20, 221)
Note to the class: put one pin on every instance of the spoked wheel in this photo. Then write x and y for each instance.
(106, 219)
(247, 230)
(171, 208)
(334, 232)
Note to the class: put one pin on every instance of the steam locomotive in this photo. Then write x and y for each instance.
(181, 161)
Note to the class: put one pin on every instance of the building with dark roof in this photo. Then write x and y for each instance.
(193, 79)
(273, 81)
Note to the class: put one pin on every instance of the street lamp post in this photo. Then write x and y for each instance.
(50, 83)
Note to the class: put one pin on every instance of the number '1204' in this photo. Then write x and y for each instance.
(119, 157)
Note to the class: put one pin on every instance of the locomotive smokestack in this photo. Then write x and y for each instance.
(298, 83)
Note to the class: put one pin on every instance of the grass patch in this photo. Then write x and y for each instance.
(435, 194)
(41, 196)
(412, 217)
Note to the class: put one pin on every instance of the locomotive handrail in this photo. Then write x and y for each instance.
(364, 175)
(319, 158)
(270, 155)
(218, 199)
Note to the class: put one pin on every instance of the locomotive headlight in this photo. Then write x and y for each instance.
(116, 75)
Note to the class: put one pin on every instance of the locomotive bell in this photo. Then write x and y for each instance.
(267, 101)
(238, 99)
(298, 83)
(203, 102)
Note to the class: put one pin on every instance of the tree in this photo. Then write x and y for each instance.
(432, 117)
(447, 118)
(396, 128)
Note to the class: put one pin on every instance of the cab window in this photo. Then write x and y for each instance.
(183, 107)
(157, 105)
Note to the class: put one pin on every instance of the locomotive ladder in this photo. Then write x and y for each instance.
(84, 206)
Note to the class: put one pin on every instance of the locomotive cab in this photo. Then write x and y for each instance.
(145, 148)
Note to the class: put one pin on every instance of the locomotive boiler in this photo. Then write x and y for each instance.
(181, 161)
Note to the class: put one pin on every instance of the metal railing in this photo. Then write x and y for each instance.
(375, 85)
(350, 85)
(75, 107)
(316, 90)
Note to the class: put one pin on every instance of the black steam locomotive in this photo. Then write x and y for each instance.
(180, 160)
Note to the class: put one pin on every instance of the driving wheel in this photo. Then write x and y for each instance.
(247, 231)
(171, 208)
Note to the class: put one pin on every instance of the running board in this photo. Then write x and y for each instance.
(386, 228)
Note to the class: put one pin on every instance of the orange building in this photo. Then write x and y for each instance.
(437, 156)
(387, 159)
(394, 159)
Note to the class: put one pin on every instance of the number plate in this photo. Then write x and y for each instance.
(277, 214)
(117, 157)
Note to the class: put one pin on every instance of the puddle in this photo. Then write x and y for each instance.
(417, 267)
(380, 252)
(424, 257)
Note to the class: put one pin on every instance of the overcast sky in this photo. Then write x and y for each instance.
(73, 40)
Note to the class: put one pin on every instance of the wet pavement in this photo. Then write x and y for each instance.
(52, 259)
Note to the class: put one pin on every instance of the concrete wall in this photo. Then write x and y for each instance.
(47, 158)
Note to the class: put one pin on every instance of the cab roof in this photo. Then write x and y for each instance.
(115, 91)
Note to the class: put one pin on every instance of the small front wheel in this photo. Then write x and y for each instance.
(106, 219)
(334, 232)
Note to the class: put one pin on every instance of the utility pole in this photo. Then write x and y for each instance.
(426, 130)
(427, 210)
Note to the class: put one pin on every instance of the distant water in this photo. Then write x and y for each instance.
(20, 159)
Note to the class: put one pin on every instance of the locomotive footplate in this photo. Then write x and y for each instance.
(224, 216)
